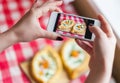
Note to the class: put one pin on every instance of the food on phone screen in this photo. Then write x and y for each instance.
(79, 28)
(74, 58)
(66, 25)
(72, 26)
(46, 65)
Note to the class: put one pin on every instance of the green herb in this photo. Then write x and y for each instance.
(47, 74)
(64, 24)
(78, 61)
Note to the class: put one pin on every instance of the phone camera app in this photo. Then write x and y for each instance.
(73, 26)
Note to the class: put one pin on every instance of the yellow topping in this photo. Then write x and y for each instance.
(45, 64)
(74, 53)
(66, 22)
(41, 72)
(78, 26)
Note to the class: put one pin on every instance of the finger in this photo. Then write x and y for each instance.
(86, 47)
(37, 3)
(97, 31)
(57, 3)
(46, 7)
(57, 9)
(105, 26)
(90, 44)
(51, 35)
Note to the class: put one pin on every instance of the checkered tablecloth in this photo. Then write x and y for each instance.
(10, 12)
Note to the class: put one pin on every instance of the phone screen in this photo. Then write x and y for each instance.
(73, 26)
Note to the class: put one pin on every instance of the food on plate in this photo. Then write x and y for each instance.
(74, 58)
(46, 65)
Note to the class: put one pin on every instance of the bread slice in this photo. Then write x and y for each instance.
(79, 28)
(66, 25)
(26, 69)
(46, 66)
(74, 58)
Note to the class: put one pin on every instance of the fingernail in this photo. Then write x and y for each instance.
(59, 38)
(76, 39)
(90, 24)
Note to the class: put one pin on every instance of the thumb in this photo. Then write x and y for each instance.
(97, 31)
(51, 35)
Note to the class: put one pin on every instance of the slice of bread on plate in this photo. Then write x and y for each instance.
(74, 58)
(46, 65)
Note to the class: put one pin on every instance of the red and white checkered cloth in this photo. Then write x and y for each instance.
(10, 12)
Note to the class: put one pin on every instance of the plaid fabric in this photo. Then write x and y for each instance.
(10, 12)
(70, 17)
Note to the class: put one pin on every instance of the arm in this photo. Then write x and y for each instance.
(7, 39)
(102, 52)
(28, 27)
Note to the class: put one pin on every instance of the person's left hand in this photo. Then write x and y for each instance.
(28, 28)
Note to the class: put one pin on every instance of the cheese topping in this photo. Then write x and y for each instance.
(73, 55)
(45, 66)
(79, 27)
(67, 23)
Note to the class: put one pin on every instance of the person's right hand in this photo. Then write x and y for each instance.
(103, 48)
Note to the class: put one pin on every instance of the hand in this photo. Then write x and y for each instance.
(103, 48)
(102, 52)
(28, 27)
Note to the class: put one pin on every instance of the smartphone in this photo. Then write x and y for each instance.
(72, 25)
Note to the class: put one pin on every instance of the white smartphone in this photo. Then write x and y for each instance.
(72, 25)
